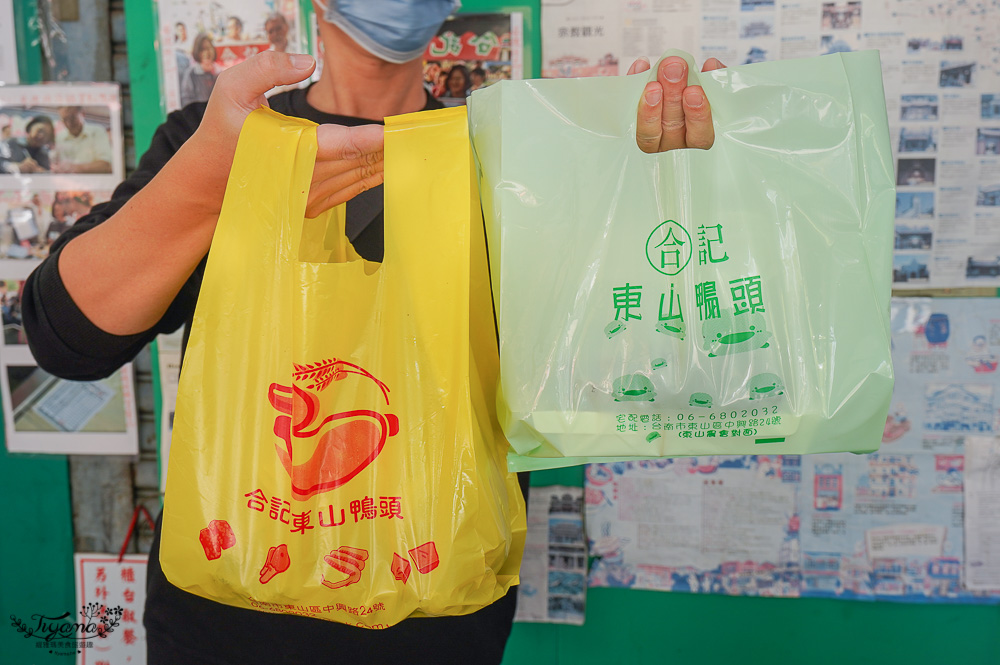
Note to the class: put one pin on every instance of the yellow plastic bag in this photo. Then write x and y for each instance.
(335, 450)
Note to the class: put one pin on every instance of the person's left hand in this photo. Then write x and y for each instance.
(673, 114)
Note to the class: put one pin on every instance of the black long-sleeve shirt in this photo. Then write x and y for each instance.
(182, 627)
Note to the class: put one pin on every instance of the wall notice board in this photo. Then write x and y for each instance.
(628, 626)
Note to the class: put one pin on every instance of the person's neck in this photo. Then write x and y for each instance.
(363, 86)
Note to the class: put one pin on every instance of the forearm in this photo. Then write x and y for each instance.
(125, 272)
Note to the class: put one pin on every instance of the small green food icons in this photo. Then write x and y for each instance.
(653, 436)
(703, 400)
(614, 328)
(766, 385)
(658, 363)
(734, 334)
(633, 388)
(671, 328)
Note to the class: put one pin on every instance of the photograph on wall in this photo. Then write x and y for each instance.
(66, 136)
(46, 414)
(11, 294)
(199, 39)
(472, 51)
(30, 220)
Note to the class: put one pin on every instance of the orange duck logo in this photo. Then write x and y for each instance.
(322, 452)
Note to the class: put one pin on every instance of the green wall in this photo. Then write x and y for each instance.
(36, 550)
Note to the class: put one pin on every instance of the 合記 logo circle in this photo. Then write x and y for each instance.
(668, 248)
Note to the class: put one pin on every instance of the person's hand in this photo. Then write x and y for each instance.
(673, 114)
(29, 165)
(348, 160)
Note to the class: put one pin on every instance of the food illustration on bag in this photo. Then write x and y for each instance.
(735, 333)
(766, 385)
(633, 388)
(216, 537)
(671, 328)
(336, 447)
(347, 560)
(277, 561)
(614, 328)
(703, 400)
(425, 557)
(400, 568)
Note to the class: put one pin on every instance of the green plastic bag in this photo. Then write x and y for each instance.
(729, 301)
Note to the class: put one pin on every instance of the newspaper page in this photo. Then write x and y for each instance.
(726, 525)
(982, 507)
(553, 585)
(945, 352)
(941, 77)
(883, 526)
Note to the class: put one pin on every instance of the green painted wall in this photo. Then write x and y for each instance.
(36, 550)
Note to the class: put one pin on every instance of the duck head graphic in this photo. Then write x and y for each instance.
(322, 451)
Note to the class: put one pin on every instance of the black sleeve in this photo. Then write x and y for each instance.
(62, 339)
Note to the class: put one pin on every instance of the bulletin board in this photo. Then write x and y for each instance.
(629, 626)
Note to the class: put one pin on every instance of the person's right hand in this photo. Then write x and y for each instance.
(673, 114)
(29, 165)
(348, 161)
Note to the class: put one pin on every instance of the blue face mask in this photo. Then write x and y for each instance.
(393, 30)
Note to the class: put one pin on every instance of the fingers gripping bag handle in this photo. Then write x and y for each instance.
(725, 301)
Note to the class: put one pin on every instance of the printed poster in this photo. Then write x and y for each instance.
(727, 525)
(113, 594)
(472, 51)
(884, 526)
(199, 39)
(982, 506)
(945, 352)
(553, 585)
